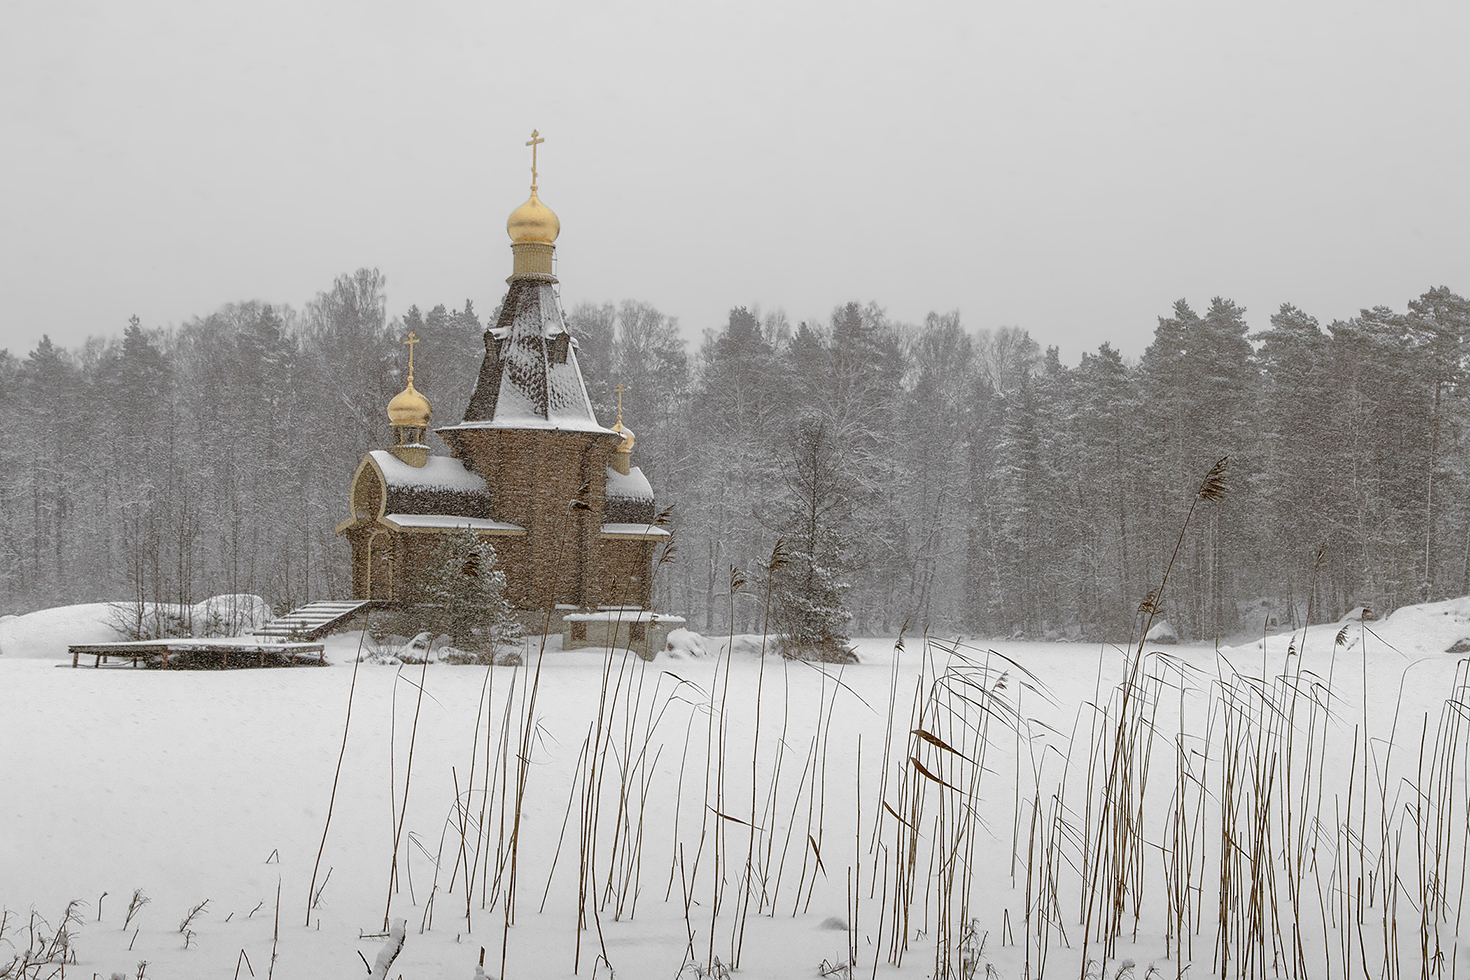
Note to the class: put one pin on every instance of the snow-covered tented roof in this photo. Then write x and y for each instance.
(441, 486)
(530, 378)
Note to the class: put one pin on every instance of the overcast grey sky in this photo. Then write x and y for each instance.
(1068, 167)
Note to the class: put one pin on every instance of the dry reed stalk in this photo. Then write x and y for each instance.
(576, 785)
(1116, 838)
(626, 765)
(715, 743)
(407, 781)
(275, 934)
(522, 771)
(487, 699)
(874, 843)
(906, 832)
(808, 766)
(709, 738)
(490, 888)
(771, 809)
(590, 809)
(679, 792)
(470, 860)
(336, 776)
(630, 885)
(597, 768)
(776, 561)
(820, 785)
(527, 729)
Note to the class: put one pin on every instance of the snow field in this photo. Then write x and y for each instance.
(195, 785)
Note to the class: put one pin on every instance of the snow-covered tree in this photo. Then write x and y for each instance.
(462, 579)
(806, 577)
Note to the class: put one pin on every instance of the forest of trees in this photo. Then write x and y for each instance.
(932, 476)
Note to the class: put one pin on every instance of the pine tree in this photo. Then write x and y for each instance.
(1299, 454)
(806, 587)
(1439, 328)
(1384, 394)
(1199, 384)
(1103, 470)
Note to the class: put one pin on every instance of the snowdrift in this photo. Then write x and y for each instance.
(1426, 630)
(47, 633)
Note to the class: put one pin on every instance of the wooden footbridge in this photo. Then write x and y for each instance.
(283, 642)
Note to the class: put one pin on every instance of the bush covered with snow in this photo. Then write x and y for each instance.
(685, 644)
(1162, 632)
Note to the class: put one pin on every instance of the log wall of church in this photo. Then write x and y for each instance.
(534, 476)
(626, 568)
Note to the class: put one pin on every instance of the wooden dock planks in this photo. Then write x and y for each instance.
(197, 654)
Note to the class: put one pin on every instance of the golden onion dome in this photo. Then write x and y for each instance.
(533, 222)
(408, 407)
(626, 446)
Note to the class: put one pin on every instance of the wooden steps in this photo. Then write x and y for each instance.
(313, 620)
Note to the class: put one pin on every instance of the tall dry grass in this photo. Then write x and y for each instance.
(1257, 820)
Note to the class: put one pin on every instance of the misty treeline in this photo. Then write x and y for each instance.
(928, 476)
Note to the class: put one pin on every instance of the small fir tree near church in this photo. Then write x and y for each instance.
(805, 576)
(462, 581)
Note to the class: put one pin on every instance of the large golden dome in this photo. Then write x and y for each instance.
(408, 407)
(533, 222)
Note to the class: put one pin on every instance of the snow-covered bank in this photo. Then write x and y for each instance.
(217, 785)
(1431, 629)
(46, 633)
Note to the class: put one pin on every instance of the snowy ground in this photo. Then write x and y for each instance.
(216, 785)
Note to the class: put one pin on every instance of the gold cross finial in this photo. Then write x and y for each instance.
(410, 342)
(534, 141)
(620, 389)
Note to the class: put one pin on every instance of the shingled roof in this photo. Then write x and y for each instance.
(530, 378)
(442, 486)
(629, 497)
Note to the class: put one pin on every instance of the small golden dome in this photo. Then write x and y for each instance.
(408, 407)
(533, 222)
(626, 446)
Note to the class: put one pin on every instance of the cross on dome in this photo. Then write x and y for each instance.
(533, 223)
(533, 143)
(409, 408)
(626, 446)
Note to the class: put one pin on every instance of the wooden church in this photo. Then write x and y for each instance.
(531, 469)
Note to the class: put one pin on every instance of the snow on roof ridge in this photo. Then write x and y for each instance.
(632, 485)
(531, 422)
(451, 521)
(439, 472)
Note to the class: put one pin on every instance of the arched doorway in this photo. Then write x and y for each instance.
(380, 565)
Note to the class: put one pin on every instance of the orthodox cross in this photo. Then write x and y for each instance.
(410, 342)
(620, 389)
(535, 140)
